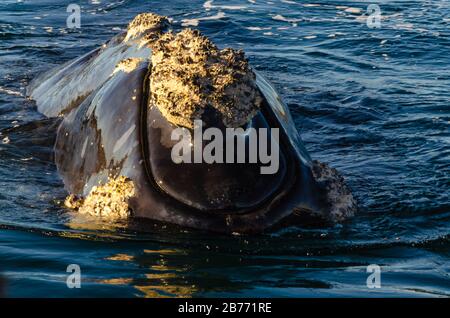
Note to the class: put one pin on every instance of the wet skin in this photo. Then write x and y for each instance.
(112, 133)
(110, 128)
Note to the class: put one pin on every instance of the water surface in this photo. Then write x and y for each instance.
(373, 103)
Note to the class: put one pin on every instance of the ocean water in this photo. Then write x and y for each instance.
(372, 102)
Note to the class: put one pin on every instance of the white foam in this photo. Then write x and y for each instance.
(208, 5)
(279, 17)
(6, 140)
(353, 10)
(9, 92)
(195, 22)
(404, 26)
(258, 28)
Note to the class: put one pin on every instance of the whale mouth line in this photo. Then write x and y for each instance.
(285, 185)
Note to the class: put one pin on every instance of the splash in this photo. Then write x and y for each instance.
(340, 199)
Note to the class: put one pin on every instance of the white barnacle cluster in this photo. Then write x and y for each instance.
(108, 201)
(190, 75)
(338, 195)
(128, 65)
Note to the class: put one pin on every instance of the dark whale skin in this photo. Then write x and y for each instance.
(102, 137)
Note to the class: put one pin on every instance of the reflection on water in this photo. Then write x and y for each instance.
(161, 280)
(2, 286)
(177, 273)
(86, 222)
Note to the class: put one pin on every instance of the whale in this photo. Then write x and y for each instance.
(120, 106)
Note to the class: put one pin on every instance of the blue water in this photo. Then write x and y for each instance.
(372, 102)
